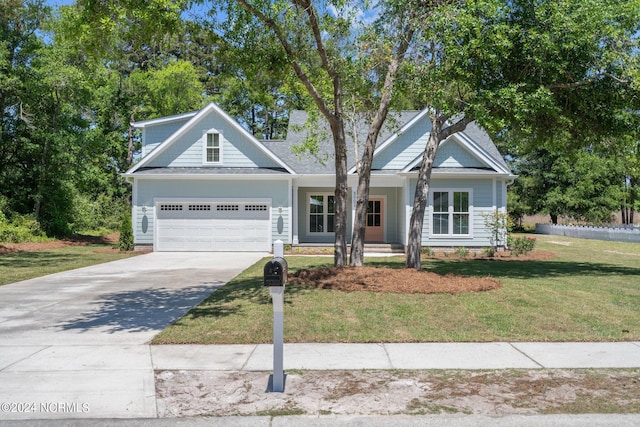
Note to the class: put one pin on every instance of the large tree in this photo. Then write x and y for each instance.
(549, 70)
(320, 43)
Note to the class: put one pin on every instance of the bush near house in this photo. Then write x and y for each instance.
(521, 245)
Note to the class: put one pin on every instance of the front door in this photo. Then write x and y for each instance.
(375, 221)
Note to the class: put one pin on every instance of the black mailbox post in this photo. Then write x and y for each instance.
(275, 272)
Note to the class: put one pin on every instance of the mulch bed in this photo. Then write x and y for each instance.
(385, 279)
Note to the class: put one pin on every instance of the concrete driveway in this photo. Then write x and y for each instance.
(75, 344)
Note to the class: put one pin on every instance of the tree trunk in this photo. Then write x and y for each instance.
(633, 184)
(364, 172)
(554, 219)
(131, 146)
(414, 244)
(340, 145)
(438, 134)
(362, 202)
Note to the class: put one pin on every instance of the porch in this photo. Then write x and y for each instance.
(327, 248)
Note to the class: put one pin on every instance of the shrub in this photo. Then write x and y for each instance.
(125, 242)
(101, 214)
(521, 245)
(496, 223)
(427, 251)
(462, 252)
(16, 228)
(489, 252)
(21, 228)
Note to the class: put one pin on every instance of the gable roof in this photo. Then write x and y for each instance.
(474, 138)
(197, 117)
(163, 120)
(479, 143)
(297, 133)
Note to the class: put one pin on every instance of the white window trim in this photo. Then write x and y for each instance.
(450, 234)
(325, 213)
(204, 147)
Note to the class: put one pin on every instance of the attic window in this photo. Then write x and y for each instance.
(213, 147)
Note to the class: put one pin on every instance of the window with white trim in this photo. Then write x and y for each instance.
(213, 147)
(451, 213)
(322, 213)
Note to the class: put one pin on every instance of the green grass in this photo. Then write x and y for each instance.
(590, 291)
(27, 265)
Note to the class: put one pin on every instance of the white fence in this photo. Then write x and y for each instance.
(614, 233)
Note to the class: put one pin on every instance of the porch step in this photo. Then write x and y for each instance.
(386, 248)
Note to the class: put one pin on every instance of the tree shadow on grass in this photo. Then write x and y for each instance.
(34, 259)
(529, 269)
(513, 268)
(249, 289)
(142, 310)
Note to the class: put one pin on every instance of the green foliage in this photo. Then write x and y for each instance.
(521, 245)
(584, 185)
(125, 242)
(462, 252)
(19, 229)
(100, 214)
(175, 88)
(427, 251)
(496, 223)
(489, 252)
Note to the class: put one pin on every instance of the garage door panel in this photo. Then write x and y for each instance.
(211, 226)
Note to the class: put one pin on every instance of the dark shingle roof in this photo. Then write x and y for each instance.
(211, 171)
(324, 162)
(307, 163)
(482, 138)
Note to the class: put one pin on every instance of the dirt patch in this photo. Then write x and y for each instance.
(385, 279)
(78, 240)
(493, 393)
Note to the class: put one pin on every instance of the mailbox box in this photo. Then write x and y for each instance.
(275, 272)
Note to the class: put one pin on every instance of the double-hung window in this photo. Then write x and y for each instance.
(322, 213)
(451, 213)
(213, 147)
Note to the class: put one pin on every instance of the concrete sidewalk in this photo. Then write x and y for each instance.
(495, 355)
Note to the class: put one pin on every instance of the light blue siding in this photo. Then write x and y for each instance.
(237, 149)
(451, 154)
(152, 136)
(405, 149)
(150, 190)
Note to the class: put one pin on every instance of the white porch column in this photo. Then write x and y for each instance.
(294, 213)
(354, 194)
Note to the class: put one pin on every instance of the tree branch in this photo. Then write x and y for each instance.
(317, 34)
(587, 81)
(297, 67)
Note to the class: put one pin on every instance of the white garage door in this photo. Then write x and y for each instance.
(213, 226)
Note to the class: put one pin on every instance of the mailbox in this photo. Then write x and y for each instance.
(275, 272)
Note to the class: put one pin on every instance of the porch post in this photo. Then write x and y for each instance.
(294, 213)
(354, 195)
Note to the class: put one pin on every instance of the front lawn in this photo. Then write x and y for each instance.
(590, 291)
(23, 265)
